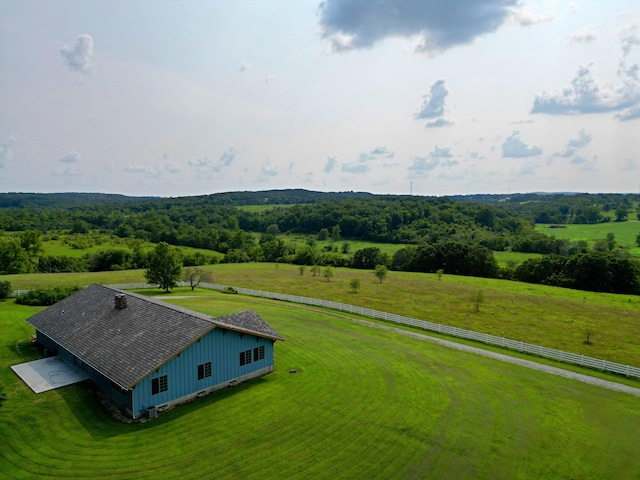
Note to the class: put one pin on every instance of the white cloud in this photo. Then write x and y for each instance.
(585, 96)
(574, 144)
(382, 150)
(629, 38)
(433, 103)
(6, 151)
(527, 18)
(584, 35)
(355, 167)
(79, 57)
(268, 170)
(146, 170)
(423, 164)
(514, 147)
(207, 163)
(331, 163)
(71, 157)
(439, 123)
(356, 24)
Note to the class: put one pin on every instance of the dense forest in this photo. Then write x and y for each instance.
(456, 235)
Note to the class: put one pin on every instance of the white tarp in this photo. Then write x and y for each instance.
(48, 373)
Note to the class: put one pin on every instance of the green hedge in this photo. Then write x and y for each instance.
(43, 297)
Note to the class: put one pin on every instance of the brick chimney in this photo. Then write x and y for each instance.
(121, 301)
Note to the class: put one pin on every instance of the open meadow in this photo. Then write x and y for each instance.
(553, 317)
(365, 403)
(624, 232)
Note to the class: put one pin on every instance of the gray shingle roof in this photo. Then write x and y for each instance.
(127, 344)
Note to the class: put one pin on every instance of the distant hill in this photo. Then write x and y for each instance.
(63, 200)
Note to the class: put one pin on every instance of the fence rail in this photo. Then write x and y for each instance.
(486, 338)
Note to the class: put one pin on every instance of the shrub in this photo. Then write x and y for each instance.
(5, 289)
(43, 297)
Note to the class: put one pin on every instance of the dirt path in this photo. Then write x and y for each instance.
(516, 361)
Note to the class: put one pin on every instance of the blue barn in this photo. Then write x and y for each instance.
(147, 354)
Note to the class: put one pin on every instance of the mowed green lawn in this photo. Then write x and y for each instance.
(365, 403)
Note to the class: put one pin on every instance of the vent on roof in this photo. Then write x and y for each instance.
(121, 301)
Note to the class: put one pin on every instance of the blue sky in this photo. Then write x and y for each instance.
(431, 97)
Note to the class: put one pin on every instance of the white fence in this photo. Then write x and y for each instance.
(516, 345)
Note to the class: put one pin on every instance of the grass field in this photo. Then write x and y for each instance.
(365, 404)
(264, 207)
(548, 316)
(625, 233)
(63, 244)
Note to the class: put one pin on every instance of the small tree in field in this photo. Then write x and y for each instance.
(328, 273)
(195, 276)
(354, 284)
(301, 270)
(478, 299)
(440, 272)
(165, 266)
(315, 270)
(381, 272)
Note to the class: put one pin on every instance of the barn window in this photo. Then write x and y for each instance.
(204, 370)
(258, 353)
(159, 384)
(245, 357)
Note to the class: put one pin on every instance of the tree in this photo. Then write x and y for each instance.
(195, 276)
(367, 258)
(13, 258)
(354, 283)
(5, 289)
(80, 226)
(335, 233)
(273, 229)
(381, 272)
(31, 242)
(323, 234)
(610, 241)
(478, 299)
(165, 266)
(622, 213)
(328, 273)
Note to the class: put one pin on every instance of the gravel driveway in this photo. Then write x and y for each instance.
(516, 361)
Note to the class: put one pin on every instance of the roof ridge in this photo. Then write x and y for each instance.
(161, 303)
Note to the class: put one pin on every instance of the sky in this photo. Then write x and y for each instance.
(430, 97)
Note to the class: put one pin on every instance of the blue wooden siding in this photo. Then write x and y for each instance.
(220, 347)
(123, 397)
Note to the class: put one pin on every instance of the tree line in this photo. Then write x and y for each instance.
(454, 235)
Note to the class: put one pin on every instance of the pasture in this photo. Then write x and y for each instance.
(365, 403)
(549, 316)
(624, 232)
(78, 245)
